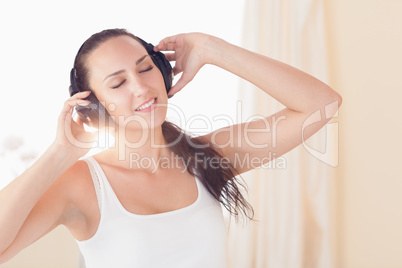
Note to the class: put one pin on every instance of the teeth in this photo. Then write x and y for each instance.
(146, 105)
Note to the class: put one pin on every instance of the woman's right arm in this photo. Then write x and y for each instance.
(36, 201)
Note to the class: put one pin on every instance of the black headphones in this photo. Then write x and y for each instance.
(95, 113)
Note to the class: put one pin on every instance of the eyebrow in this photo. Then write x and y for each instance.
(122, 71)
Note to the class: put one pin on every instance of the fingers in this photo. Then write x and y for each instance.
(176, 70)
(78, 99)
(79, 121)
(73, 101)
(80, 95)
(69, 104)
(183, 81)
(167, 43)
(170, 56)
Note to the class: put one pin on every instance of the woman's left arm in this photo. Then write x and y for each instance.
(302, 94)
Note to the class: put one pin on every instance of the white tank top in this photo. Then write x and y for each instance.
(194, 236)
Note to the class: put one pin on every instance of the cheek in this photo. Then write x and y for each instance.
(118, 105)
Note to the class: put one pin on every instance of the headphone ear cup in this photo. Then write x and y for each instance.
(161, 62)
(73, 89)
(164, 66)
(93, 114)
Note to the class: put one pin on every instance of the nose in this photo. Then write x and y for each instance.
(138, 88)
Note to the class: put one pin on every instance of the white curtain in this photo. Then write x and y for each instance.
(291, 196)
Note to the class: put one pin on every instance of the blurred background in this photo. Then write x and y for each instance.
(341, 210)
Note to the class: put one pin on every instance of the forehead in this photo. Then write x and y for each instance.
(115, 53)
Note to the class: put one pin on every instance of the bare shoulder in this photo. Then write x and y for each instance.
(76, 179)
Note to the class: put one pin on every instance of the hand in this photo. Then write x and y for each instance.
(71, 134)
(189, 55)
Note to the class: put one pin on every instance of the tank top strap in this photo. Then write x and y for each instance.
(96, 179)
(104, 193)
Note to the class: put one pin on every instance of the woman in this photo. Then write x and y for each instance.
(129, 215)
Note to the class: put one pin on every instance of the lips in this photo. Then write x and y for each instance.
(146, 104)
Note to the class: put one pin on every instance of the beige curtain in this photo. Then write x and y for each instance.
(291, 195)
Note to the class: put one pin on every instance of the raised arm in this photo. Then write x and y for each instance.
(35, 202)
(302, 94)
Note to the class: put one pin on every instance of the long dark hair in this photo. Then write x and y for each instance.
(220, 179)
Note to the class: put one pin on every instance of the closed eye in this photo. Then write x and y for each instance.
(121, 83)
(146, 70)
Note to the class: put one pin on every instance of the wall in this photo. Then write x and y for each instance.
(57, 249)
(365, 58)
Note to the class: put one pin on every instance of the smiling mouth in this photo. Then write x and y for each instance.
(146, 105)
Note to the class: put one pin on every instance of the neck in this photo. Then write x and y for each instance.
(139, 148)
